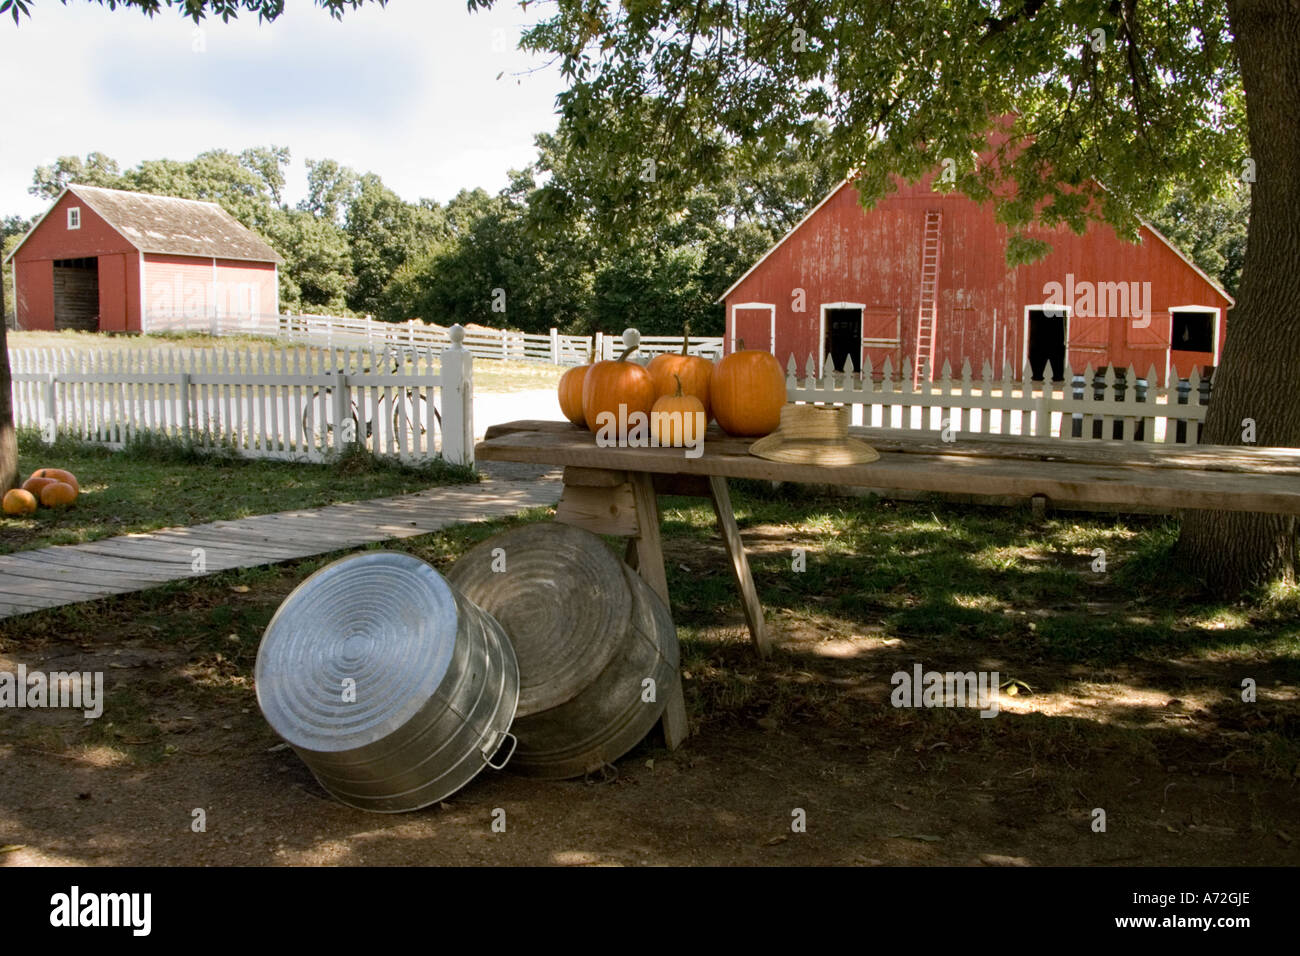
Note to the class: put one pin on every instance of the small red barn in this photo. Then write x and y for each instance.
(924, 273)
(118, 261)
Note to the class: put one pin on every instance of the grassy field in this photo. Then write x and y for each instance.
(1121, 691)
(489, 375)
(159, 485)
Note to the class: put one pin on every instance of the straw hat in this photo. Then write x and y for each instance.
(814, 435)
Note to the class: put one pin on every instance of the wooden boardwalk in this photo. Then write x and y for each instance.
(66, 574)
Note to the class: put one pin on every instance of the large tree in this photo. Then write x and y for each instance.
(1141, 97)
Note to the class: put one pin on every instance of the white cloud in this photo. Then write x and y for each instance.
(409, 91)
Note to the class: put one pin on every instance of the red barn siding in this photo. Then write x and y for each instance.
(34, 293)
(51, 240)
(190, 286)
(843, 254)
(248, 288)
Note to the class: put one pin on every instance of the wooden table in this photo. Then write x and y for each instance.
(615, 491)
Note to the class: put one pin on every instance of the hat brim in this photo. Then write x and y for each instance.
(812, 451)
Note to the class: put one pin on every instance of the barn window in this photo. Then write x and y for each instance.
(74, 217)
(1193, 330)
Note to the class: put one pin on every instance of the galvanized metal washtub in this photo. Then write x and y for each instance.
(596, 645)
(394, 689)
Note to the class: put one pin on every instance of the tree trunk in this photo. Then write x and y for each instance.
(1259, 375)
(8, 438)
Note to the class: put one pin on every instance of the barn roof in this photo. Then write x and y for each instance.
(845, 182)
(169, 226)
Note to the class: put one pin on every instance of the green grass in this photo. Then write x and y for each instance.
(157, 483)
(991, 575)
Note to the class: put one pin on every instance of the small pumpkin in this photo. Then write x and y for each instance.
(18, 501)
(694, 372)
(58, 474)
(676, 418)
(748, 390)
(58, 494)
(570, 390)
(35, 484)
(614, 382)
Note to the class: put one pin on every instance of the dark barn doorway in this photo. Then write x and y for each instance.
(844, 339)
(1047, 343)
(1192, 331)
(76, 294)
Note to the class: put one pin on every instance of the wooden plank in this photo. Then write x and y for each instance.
(753, 608)
(1226, 457)
(1118, 485)
(599, 510)
(76, 556)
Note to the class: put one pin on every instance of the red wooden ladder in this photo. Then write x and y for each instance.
(925, 314)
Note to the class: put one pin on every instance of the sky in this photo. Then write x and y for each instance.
(409, 91)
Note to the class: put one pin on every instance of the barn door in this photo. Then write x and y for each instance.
(882, 337)
(753, 324)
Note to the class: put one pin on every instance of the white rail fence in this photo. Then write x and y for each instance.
(414, 336)
(276, 402)
(1109, 405)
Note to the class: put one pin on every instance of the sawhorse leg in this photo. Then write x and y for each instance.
(739, 564)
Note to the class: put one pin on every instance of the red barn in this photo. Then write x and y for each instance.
(116, 261)
(924, 273)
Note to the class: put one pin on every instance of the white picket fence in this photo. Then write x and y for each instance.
(282, 402)
(1104, 407)
(414, 336)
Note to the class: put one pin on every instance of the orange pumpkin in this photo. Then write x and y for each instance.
(675, 419)
(35, 484)
(58, 474)
(694, 371)
(616, 382)
(748, 390)
(58, 494)
(571, 393)
(17, 501)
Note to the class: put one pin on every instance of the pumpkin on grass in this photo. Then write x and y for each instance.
(748, 390)
(18, 501)
(58, 474)
(616, 382)
(570, 390)
(678, 419)
(35, 484)
(58, 494)
(692, 373)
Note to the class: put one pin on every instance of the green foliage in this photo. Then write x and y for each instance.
(1134, 96)
(1212, 233)
(197, 10)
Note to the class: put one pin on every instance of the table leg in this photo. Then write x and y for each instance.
(647, 547)
(739, 564)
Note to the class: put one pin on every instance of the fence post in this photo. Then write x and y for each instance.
(1043, 423)
(340, 395)
(457, 374)
(50, 429)
(555, 346)
(505, 347)
(598, 349)
(184, 387)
